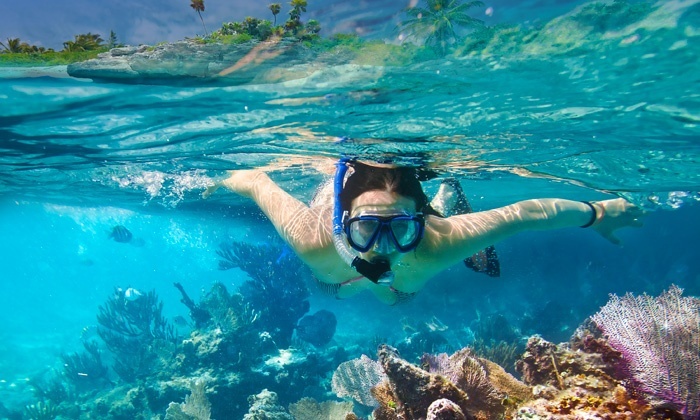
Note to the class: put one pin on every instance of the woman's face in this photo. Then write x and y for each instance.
(382, 203)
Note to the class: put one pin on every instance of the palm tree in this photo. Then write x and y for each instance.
(198, 6)
(71, 46)
(26, 48)
(84, 42)
(14, 45)
(275, 8)
(299, 5)
(437, 22)
(250, 24)
(89, 41)
(294, 22)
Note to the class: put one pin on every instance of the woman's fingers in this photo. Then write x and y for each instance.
(612, 238)
(210, 190)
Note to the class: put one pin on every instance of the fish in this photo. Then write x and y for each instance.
(317, 329)
(180, 321)
(121, 234)
(132, 294)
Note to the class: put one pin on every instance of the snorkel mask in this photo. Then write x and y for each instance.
(403, 231)
(364, 231)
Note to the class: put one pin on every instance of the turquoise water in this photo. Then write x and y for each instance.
(617, 115)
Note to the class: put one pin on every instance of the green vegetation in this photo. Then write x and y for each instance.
(84, 42)
(252, 28)
(82, 47)
(15, 46)
(50, 58)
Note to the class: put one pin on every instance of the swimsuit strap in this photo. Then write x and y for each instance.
(328, 288)
(333, 288)
(402, 297)
(352, 280)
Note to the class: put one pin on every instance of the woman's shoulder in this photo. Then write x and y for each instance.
(323, 197)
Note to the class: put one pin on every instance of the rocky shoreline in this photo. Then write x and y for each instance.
(191, 61)
(15, 72)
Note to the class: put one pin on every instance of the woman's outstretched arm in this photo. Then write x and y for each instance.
(450, 240)
(294, 221)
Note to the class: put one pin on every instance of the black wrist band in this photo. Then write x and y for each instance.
(594, 217)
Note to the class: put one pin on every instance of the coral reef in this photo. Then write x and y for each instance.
(659, 340)
(240, 344)
(264, 406)
(570, 384)
(310, 409)
(355, 379)
(576, 380)
(249, 332)
(195, 407)
(241, 361)
(479, 388)
(233, 335)
(413, 389)
(42, 410)
(200, 316)
(132, 327)
(476, 386)
(277, 286)
(479, 379)
(85, 371)
(444, 409)
(52, 388)
(122, 402)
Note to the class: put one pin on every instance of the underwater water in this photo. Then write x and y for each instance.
(612, 115)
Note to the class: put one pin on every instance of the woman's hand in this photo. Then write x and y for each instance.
(240, 181)
(615, 214)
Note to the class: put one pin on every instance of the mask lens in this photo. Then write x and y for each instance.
(405, 231)
(362, 232)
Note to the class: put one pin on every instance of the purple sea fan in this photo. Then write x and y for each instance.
(659, 339)
(355, 378)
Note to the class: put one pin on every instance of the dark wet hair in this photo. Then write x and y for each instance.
(404, 181)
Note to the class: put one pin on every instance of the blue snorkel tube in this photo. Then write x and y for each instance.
(378, 272)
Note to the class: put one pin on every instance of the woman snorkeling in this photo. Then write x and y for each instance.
(375, 229)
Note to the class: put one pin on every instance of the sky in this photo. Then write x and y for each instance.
(49, 23)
